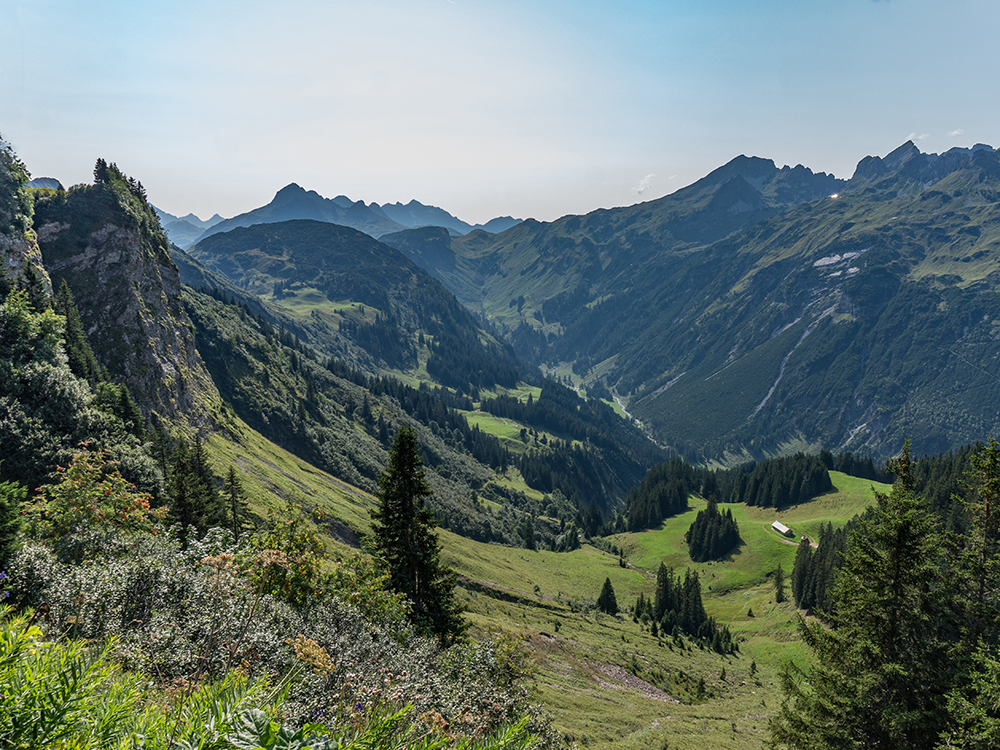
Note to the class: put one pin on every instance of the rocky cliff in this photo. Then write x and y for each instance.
(19, 252)
(105, 241)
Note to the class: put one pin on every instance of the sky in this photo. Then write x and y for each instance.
(484, 108)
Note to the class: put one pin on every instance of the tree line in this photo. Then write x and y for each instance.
(773, 483)
(912, 659)
(712, 535)
(677, 608)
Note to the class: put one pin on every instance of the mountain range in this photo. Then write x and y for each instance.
(184, 230)
(758, 311)
(294, 202)
(762, 310)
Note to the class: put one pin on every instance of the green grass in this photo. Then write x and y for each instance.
(577, 651)
(580, 655)
(763, 549)
(506, 430)
(274, 478)
(596, 674)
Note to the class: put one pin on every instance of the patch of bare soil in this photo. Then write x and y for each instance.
(627, 680)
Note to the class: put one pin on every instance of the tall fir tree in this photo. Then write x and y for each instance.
(195, 502)
(800, 572)
(237, 504)
(779, 585)
(404, 540)
(607, 601)
(974, 702)
(664, 600)
(81, 357)
(880, 678)
(529, 532)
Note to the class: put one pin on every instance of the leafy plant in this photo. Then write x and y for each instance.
(90, 494)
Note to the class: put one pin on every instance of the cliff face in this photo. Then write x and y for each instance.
(105, 241)
(18, 249)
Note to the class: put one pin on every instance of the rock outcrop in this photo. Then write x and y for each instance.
(105, 241)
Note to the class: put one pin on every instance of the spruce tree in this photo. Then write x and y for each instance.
(405, 542)
(81, 357)
(880, 678)
(974, 703)
(800, 572)
(236, 499)
(528, 532)
(607, 602)
(180, 492)
(779, 585)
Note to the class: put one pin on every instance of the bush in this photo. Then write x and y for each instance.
(192, 617)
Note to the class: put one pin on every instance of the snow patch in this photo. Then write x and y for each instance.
(830, 260)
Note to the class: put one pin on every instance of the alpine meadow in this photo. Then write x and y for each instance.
(715, 470)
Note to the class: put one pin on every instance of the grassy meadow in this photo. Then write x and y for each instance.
(607, 681)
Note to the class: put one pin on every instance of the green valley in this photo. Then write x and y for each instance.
(196, 442)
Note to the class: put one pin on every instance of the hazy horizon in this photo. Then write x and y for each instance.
(528, 110)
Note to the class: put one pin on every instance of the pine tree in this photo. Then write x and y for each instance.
(664, 599)
(974, 704)
(606, 601)
(194, 500)
(800, 572)
(404, 540)
(880, 678)
(529, 532)
(81, 357)
(180, 492)
(236, 499)
(779, 585)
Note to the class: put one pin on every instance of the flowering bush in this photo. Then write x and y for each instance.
(90, 494)
(286, 560)
(329, 636)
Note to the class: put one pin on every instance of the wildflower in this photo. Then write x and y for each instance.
(311, 653)
(222, 561)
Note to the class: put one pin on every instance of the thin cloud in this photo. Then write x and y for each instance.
(956, 133)
(643, 185)
(923, 137)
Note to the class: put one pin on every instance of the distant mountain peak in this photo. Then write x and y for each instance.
(909, 163)
(294, 191)
(900, 155)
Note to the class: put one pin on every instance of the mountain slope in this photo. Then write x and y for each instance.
(352, 298)
(361, 290)
(754, 312)
(570, 263)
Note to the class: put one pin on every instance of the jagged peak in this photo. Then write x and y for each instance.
(908, 160)
(901, 154)
(753, 169)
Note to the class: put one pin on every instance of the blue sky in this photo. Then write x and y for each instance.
(484, 108)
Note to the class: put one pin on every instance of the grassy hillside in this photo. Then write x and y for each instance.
(276, 481)
(606, 680)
